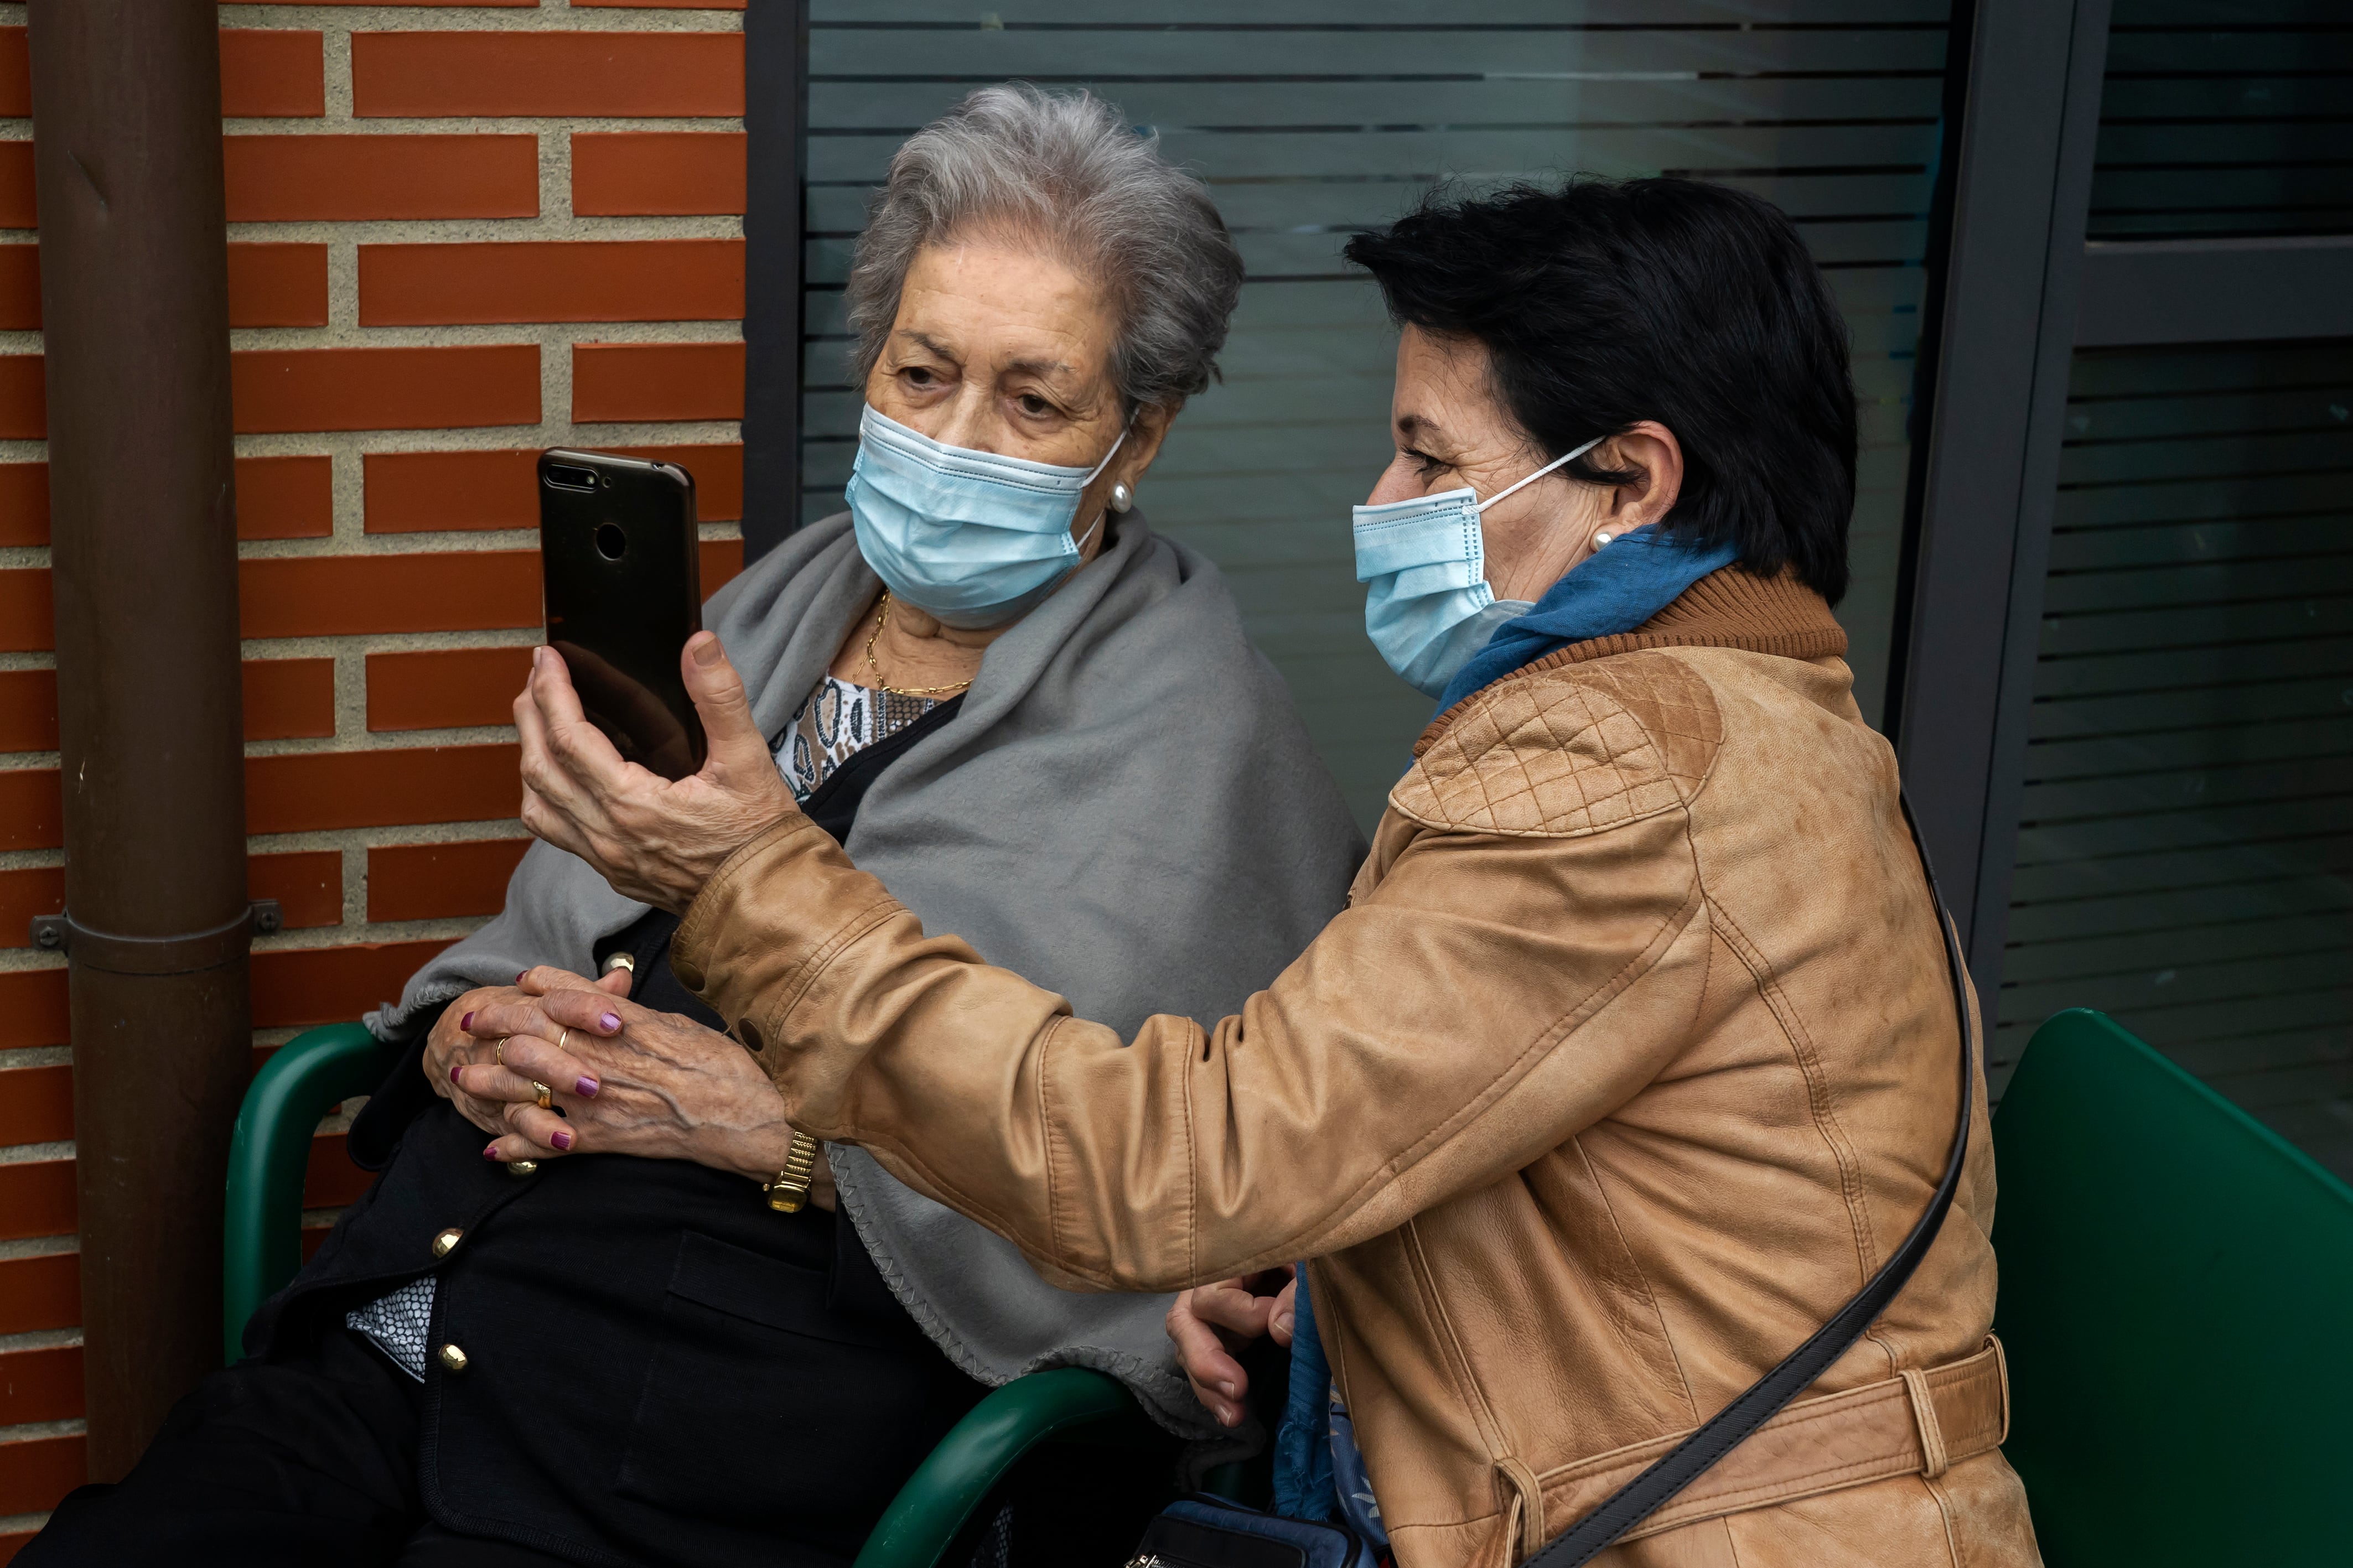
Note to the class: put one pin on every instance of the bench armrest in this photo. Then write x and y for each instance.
(939, 1499)
(261, 1242)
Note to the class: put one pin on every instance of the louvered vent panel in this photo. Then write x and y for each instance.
(2186, 859)
(2226, 117)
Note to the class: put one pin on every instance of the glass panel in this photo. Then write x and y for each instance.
(1310, 118)
(2185, 855)
(2225, 117)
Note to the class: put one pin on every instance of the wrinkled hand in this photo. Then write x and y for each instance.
(1209, 1322)
(630, 1081)
(654, 839)
(450, 1049)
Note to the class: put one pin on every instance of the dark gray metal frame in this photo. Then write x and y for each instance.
(2020, 290)
(2215, 290)
(2030, 113)
(775, 121)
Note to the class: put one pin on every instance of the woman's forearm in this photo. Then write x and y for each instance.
(776, 945)
(1432, 1039)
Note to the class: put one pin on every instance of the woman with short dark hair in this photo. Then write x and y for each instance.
(1694, 305)
(1640, 1055)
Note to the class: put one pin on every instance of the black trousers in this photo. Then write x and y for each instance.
(313, 1462)
(299, 1463)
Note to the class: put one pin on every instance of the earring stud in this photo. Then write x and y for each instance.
(1602, 538)
(1122, 497)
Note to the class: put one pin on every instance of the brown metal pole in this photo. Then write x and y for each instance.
(134, 309)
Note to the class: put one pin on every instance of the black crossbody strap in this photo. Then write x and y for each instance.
(1730, 1427)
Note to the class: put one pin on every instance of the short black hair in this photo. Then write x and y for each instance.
(1605, 302)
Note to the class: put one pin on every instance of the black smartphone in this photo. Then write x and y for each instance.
(624, 592)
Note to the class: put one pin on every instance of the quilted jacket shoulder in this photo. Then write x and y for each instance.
(1569, 752)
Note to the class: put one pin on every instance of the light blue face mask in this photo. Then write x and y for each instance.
(973, 538)
(1428, 608)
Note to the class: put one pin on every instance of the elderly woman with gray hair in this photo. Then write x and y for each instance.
(1045, 723)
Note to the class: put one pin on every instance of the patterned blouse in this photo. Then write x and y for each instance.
(838, 720)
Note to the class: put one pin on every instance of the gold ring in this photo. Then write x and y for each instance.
(499, 1051)
(562, 1036)
(546, 1095)
(620, 961)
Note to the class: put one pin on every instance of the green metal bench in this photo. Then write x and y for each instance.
(2177, 1307)
(263, 1249)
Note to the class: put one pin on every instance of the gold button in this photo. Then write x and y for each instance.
(522, 1167)
(453, 1359)
(444, 1241)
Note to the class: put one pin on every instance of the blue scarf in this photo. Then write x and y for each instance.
(1617, 588)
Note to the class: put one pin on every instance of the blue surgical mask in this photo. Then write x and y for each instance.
(974, 539)
(1428, 608)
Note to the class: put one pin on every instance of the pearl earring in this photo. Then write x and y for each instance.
(1122, 497)
(1602, 538)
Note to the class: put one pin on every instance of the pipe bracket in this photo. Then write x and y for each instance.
(182, 954)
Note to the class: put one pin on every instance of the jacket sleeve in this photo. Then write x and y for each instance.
(1493, 995)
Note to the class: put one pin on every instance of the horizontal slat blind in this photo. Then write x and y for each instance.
(1311, 118)
(2226, 117)
(2185, 855)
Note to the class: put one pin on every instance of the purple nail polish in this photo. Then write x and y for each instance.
(560, 1137)
(587, 1088)
(491, 1153)
(612, 1022)
(466, 1023)
(521, 975)
(455, 1078)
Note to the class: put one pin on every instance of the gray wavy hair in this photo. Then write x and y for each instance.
(1062, 168)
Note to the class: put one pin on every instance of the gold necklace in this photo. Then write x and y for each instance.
(882, 615)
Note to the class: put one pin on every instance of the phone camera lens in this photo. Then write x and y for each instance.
(610, 541)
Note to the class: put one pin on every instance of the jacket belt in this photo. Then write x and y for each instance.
(1915, 1423)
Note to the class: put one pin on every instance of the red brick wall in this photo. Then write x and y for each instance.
(451, 243)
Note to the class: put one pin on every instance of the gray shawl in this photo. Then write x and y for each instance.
(1126, 808)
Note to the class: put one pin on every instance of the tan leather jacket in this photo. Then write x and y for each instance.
(1632, 1057)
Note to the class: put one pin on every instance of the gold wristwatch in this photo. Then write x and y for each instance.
(788, 1193)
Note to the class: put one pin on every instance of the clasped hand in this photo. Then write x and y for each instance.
(627, 1079)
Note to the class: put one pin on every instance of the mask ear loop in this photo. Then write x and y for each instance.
(1499, 495)
(1096, 472)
